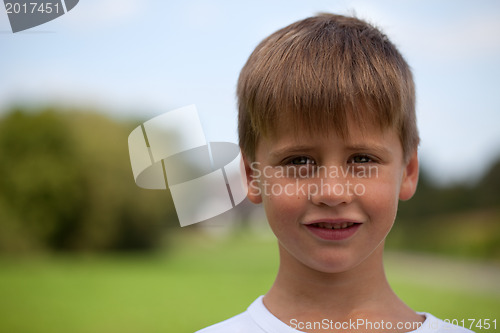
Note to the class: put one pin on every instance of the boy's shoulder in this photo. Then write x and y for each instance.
(241, 323)
(256, 319)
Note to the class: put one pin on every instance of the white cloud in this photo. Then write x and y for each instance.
(439, 31)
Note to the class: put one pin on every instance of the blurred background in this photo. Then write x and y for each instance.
(82, 248)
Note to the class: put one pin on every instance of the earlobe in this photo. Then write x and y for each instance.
(254, 192)
(410, 178)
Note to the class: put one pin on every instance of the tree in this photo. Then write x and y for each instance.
(67, 185)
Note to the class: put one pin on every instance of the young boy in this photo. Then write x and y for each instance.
(328, 133)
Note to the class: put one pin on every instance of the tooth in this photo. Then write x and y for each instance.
(336, 226)
(343, 225)
(349, 224)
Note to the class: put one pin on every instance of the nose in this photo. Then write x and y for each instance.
(332, 192)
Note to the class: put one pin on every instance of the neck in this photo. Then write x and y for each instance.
(300, 291)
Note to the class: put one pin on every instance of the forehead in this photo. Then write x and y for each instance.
(351, 130)
(288, 136)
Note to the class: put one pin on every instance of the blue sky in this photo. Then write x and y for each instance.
(145, 57)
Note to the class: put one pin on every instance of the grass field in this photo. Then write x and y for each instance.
(201, 281)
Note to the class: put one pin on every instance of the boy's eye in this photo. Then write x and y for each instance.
(360, 159)
(300, 167)
(301, 160)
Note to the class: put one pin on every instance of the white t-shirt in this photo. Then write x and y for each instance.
(258, 319)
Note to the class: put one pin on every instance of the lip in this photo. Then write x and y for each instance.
(333, 234)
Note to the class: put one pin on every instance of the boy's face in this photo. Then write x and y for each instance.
(331, 202)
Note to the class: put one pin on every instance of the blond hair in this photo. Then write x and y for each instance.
(322, 72)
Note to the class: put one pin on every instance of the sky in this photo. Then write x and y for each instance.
(141, 58)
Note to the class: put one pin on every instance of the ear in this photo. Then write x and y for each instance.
(252, 177)
(410, 178)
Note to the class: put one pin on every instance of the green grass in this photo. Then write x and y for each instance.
(199, 282)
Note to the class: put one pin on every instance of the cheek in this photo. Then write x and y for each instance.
(283, 203)
(381, 200)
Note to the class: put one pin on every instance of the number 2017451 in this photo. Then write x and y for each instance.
(31, 8)
(485, 324)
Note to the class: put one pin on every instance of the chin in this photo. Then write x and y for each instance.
(331, 263)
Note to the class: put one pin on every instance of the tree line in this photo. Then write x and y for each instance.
(66, 185)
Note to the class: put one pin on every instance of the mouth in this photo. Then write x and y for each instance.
(333, 230)
(327, 225)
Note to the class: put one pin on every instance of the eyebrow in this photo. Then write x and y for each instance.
(290, 150)
(305, 148)
(377, 148)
